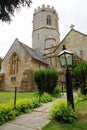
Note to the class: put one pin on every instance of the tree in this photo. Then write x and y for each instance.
(51, 80)
(8, 7)
(39, 79)
(80, 72)
(46, 81)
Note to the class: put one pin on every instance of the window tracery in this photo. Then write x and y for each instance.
(13, 69)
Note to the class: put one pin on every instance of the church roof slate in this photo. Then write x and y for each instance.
(35, 54)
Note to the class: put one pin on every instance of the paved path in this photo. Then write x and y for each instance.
(34, 120)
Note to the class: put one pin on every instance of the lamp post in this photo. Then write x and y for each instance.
(66, 60)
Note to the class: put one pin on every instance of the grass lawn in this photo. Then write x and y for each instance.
(80, 124)
(8, 96)
(54, 125)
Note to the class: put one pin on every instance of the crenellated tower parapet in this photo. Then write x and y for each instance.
(45, 8)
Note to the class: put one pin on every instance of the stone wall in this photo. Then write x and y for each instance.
(28, 82)
(75, 42)
(6, 67)
(25, 71)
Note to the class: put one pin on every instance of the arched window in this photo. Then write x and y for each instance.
(48, 20)
(13, 64)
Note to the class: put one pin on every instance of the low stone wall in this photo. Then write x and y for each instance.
(28, 83)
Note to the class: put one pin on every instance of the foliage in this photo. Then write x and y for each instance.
(6, 113)
(51, 80)
(80, 105)
(46, 80)
(8, 7)
(80, 71)
(81, 108)
(63, 113)
(0, 62)
(40, 80)
(57, 92)
(46, 98)
(80, 99)
(80, 124)
(23, 105)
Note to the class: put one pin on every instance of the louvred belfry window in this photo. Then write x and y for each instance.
(48, 20)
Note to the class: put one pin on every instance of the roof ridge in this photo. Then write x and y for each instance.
(35, 54)
(79, 32)
(29, 47)
(72, 29)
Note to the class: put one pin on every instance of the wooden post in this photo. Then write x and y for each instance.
(15, 95)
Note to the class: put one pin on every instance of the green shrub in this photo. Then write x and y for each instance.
(57, 92)
(22, 106)
(51, 80)
(35, 103)
(62, 113)
(80, 71)
(0, 62)
(80, 99)
(79, 93)
(46, 98)
(46, 80)
(25, 105)
(6, 113)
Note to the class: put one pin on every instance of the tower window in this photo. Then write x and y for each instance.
(48, 20)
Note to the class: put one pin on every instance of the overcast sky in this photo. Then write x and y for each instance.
(69, 12)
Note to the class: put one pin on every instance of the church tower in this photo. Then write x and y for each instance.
(45, 28)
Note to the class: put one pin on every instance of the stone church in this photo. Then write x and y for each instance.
(21, 61)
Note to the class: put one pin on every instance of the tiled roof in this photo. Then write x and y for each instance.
(35, 54)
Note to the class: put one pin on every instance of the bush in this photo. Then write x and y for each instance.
(25, 105)
(6, 113)
(80, 71)
(46, 98)
(62, 113)
(51, 80)
(46, 80)
(57, 92)
(80, 98)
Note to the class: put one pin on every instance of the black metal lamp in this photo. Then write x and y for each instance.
(66, 60)
(65, 57)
